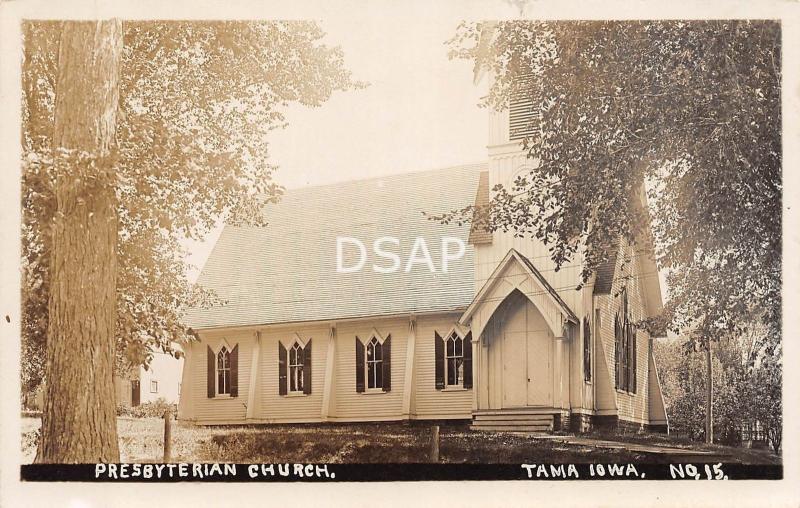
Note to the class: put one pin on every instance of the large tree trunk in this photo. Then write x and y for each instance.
(79, 417)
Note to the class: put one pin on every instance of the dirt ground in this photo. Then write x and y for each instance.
(141, 440)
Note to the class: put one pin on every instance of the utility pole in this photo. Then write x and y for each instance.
(709, 395)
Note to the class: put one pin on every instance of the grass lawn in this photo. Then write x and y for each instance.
(141, 440)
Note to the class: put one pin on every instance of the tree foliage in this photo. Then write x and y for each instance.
(691, 111)
(747, 385)
(197, 103)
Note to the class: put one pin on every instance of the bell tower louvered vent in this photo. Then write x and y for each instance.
(523, 111)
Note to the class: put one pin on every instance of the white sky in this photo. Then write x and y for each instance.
(419, 111)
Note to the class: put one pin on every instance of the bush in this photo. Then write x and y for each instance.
(30, 441)
(154, 409)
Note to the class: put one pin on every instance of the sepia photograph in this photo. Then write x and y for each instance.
(308, 248)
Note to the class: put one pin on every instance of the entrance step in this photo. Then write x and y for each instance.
(514, 417)
(523, 429)
(516, 420)
(517, 411)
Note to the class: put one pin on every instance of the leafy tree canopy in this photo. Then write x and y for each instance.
(691, 111)
(747, 385)
(197, 103)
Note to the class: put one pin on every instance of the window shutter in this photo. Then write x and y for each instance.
(616, 352)
(633, 358)
(627, 349)
(307, 368)
(235, 371)
(211, 372)
(587, 350)
(627, 355)
(282, 363)
(359, 366)
(439, 363)
(632, 362)
(468, 360)
(387, 364)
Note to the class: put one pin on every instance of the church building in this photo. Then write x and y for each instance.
(353, 306)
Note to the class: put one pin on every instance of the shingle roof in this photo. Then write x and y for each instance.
(286, 272)
(478, 234)
(605, 274)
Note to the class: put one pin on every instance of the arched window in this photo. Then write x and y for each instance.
(296, 368)
(625, 347)
(587, 349)
(374, 364)
(223, 371)
(454, 360)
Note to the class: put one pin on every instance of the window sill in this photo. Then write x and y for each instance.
(296, 394)
(626, 392)
(221, 397)
(372, 391)
(455, 389)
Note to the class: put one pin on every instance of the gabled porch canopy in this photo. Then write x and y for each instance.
(516, 273)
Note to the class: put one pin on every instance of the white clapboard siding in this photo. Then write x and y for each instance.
(225, 409)
(631, 407)
(430, 403)
(503, 170)
(350, 405)
(291, 407)
(581, 392)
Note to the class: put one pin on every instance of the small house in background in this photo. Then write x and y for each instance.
(161, 381)
(753, 434)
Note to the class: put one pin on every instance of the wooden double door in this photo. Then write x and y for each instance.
(527, 377)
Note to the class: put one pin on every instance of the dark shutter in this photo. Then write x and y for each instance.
(210, 372)
(625, 355)
(631, 356)
(387, 364)
(627, 381)
(587, 350)
(617, 353)
(281, 369)
(633, 359)
(625, 305)
(438, 347)
(359, 366)
(307, 368)
(468, 360)
(235, 371)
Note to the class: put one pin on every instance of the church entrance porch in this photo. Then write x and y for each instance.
(519, 360)
(519, 350)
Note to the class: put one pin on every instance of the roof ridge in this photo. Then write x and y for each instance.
(475, 165)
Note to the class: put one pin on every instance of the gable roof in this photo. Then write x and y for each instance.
(286, 272)
(546, 298)
(646, 264)
(569, 315)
